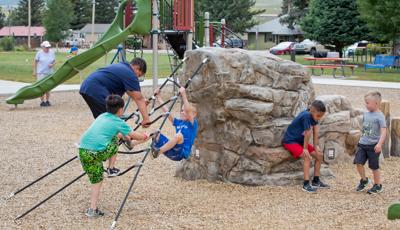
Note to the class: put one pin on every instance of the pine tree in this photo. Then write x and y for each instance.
(20, 16)
(83, 13)
(383, 19)
(57, 19)
(105, 10)
(2, 18)
(238, 14)
(293, 11)
(334, 22)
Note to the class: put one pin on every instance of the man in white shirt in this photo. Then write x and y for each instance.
(43, 66)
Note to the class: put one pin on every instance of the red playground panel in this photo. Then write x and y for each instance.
(183, 14)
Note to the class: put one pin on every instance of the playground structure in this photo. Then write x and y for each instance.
(73, 67)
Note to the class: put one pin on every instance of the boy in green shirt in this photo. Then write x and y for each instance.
(100, 142)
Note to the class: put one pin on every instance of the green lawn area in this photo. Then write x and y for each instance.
(391, 75)
(17, 66)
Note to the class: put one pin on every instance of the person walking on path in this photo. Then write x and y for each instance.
(43, 65)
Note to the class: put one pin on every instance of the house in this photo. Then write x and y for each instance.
(20, 34)
(270, 33)
(99, 30)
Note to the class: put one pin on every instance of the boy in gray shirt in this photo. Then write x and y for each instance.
(371, 141)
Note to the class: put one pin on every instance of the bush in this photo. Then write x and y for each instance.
(7, 44)
(21, 48)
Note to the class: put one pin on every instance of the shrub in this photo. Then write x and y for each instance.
(7, 43)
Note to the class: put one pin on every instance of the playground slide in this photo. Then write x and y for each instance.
(116, 34)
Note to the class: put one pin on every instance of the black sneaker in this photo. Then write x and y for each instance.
(43, 104)
(362, 185)
(47, 103)
(94, 213)
(319, 184)
(309, 188)
(113, 172)
(377, 188)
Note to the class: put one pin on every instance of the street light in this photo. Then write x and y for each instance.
(93, 16)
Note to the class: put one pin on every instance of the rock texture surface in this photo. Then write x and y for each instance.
(245, 101)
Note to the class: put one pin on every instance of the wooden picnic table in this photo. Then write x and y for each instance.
(334, 63)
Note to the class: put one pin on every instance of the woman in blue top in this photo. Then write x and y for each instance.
(100, 142)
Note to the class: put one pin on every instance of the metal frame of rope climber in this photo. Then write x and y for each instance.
(136, 165)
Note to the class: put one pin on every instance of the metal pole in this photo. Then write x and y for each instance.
(223, 33)
(155, 45)
(207, 29)
(93, 17)
(29, 24)
(257, 38)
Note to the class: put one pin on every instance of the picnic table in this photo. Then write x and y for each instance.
(330, 63)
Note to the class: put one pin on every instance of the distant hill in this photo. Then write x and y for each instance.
(270, 6)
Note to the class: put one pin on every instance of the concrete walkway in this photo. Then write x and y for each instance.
(11, 87)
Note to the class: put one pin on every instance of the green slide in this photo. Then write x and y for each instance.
(115, 35)
(394, 211)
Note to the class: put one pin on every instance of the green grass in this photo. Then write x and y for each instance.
(390, 75)
(17, 66)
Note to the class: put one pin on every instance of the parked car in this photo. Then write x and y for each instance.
(310, 47)
(230, 43)
(282, 48)
(350, 50)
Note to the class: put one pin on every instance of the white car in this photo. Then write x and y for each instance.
(308, 46)
(350, 50)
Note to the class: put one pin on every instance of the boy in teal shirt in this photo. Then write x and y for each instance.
(100, 142)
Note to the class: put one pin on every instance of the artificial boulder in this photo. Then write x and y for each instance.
(245, 101)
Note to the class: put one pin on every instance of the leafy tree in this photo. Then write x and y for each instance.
(20, 16)
(57, 19)
(82, 12)
(334, 22)
(237, 13)
(2, 18)
(383, 18)
(293, 11)
(105, 10)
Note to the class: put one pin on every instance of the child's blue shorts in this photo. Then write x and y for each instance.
(176, 153)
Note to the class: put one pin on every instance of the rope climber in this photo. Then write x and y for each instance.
(138, 136)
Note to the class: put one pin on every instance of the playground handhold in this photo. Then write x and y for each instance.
(394, 211)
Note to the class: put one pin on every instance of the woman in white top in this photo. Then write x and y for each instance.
(43, 66)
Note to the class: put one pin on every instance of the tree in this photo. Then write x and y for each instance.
(20, 16)
(2, 18)
(57, 19)
(82, 12)
(334, 22)
(293, 11)
(237, 13)
(383, 18)
(105, 10)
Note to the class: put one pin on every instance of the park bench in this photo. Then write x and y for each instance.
(322, 68)
(381, 62)
(352, 67)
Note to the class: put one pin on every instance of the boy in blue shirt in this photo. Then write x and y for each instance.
(296, 141)
(371, 141)
(179, 147)
(100, 142)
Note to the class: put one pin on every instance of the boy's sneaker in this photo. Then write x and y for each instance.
(113, 172)
(319, 184)
(47, 103)
(94, 213)
(375, 189)
(309, 188)
(154, 150)
(362, 185)
(43, 104)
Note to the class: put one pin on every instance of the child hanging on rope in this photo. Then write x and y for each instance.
(179, 147)
(296, 141)
(100, 142)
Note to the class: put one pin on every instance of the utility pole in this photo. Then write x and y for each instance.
(29, 24)
(93, 16)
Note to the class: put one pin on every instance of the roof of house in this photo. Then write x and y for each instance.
(275, 27)
(22, 31)
(98, 28)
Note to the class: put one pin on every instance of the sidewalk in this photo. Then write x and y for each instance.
(11, 87)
